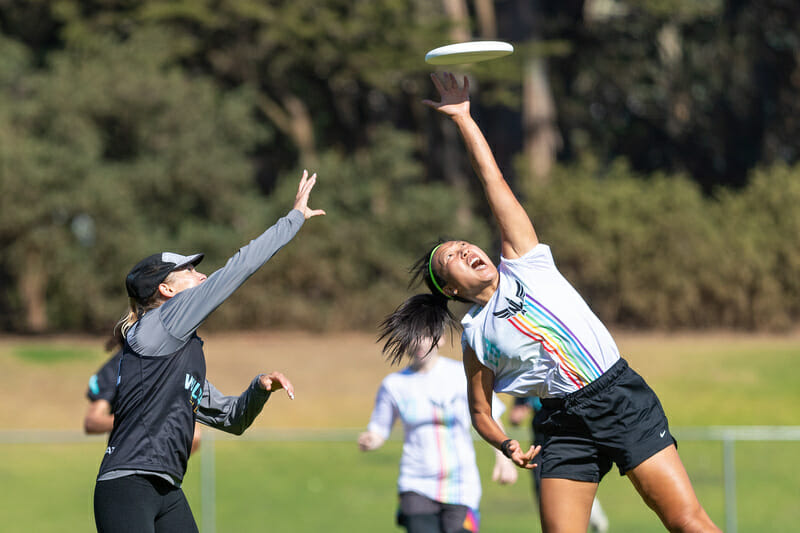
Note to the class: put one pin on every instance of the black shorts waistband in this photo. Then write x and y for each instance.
(601, 383)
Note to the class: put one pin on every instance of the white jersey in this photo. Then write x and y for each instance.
(536, 333)
(438, 457)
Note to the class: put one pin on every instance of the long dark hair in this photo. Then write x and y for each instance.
(421, 316)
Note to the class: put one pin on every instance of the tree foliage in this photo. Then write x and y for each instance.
(705, 88)
(132, 127)
(656, 253)
(104, 162)
(350, 268)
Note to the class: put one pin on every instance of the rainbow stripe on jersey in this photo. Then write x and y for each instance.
(448, 478)
(534, 320)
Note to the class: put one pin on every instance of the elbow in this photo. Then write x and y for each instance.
(476, 423)
(480, 422)
(239, 427)
(91, 426)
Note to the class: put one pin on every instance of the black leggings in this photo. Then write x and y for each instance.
(141, 504)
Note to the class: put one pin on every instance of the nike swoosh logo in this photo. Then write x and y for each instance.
(662, 433)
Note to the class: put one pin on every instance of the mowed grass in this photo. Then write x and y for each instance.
(260, 486)
(331, 486)
(313, 485)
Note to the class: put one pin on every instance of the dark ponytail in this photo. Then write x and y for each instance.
(421, 316)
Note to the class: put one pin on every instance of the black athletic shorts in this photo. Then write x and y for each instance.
(420, 514)
(615, 419)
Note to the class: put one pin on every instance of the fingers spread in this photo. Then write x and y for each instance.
(302, 180)
(437, 83)
(285, 383)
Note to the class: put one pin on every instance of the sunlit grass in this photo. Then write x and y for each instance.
(45, 354)
(305, 485)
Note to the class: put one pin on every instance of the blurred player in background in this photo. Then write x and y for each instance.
(438, 485)
(102, 391)
(162, 388)
(532, 405)
(529, 333)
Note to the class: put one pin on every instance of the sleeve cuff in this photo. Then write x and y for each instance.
(296, 216)
(257, 390)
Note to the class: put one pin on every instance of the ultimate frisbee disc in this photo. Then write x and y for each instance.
(470, 52)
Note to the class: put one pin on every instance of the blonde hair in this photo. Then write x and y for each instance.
(128, 319)
(137, 309)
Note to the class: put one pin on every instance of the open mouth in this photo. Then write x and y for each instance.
(476, 263)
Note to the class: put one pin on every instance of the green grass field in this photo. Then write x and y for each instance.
(328, 485)
(331, 486)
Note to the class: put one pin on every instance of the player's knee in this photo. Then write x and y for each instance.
(691, 519)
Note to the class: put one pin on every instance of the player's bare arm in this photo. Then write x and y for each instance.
(516, 229)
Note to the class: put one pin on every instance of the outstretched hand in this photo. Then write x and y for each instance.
(523, 459)
(455, 99)
(276, 381)
(303, 193)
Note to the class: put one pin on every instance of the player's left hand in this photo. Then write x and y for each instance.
(523, 459)
(276, 381)
(455, 99)
(303, 194)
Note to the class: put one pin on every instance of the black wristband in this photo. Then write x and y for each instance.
(504, 448)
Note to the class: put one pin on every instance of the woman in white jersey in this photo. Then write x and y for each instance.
(439, 487)
(530, 333)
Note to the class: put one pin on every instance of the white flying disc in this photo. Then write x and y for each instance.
(470, 52)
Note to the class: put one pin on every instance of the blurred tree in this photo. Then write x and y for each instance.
(708, 88)
(757, 286)
(635, 248)
(106, 156)
(323, 71)
(351, 269)
(458, 14)
(132, 125)
(542, 140)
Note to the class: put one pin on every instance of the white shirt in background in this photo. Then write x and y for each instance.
(438, 456)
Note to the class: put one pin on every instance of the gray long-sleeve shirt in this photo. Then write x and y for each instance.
(165, 329)
(161, 385)
(231, 414)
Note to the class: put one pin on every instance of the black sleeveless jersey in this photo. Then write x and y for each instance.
(154, 415)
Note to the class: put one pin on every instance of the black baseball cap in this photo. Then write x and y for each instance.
(144, 278)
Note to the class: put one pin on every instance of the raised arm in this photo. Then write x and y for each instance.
(516, 229)
(480, 382)
(182, 315)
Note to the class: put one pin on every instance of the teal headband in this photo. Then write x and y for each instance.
(430, 272)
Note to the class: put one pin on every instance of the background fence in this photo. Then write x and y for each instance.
(728, 436)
